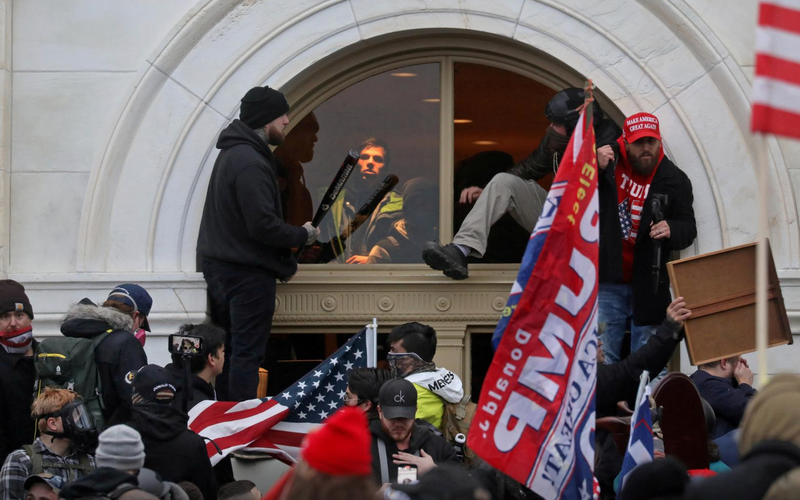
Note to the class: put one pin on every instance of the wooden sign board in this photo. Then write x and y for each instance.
(720, 290)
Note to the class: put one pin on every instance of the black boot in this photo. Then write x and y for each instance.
(447, 258)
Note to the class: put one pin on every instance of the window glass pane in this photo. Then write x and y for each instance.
(499, 120)
(392, 120)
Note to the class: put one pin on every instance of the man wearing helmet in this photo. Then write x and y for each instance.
(516, 192)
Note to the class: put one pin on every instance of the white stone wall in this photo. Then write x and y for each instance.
(114, 108)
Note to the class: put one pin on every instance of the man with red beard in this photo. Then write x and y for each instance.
(397, 440)
(629, 236)
(17, 374)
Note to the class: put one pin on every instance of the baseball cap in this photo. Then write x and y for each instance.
(55, 482)
(153, 384)
(398, 399)
(641, 125)
(136, 297)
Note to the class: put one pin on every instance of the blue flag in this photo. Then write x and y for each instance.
(640, 444)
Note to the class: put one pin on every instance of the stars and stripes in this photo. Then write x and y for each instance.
(278, 425)
(625, 218)
(776, 87)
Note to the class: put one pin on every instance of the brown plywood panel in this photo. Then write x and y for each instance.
(719, 288)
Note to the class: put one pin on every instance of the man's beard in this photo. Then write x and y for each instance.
(388, 431)
(643, 167)
(274, 137)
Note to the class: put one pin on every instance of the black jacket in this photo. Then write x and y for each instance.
(751, 479)
(544, 159)
(242, 220)
(200, 389)
(727, 398)
(17, 379)
(171, 449)
(649, 308)
(116, 356)
(422, 438)
(98, 484)
(619, 381)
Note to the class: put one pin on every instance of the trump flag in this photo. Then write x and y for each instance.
(535, 418)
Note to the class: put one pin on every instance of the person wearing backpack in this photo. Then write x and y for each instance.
(17, 374)
(411, 350)
(117, 354)
(62, 449)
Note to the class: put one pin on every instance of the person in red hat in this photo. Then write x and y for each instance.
(335, 462)
(645, 208)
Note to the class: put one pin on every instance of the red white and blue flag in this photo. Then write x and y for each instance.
(278, 425)
(776, 87)
(640, 442)
(535, 418)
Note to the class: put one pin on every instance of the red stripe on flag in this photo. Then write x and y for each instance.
(777, 69)
(286, 438)
(249, 434)
(775, 121)
(782, 18)
(218, 412)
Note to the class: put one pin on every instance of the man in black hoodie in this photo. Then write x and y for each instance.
(171, 449)
(244, 243)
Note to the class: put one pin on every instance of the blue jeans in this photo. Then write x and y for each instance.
(242, 302)
(615, 302)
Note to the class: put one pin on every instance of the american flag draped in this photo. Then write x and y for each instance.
(535, 417)
(278, 425)
(776, 87)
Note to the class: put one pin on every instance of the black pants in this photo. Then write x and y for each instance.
(242, 302)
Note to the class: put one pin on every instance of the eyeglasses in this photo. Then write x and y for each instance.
(377, 158)
(347, 400)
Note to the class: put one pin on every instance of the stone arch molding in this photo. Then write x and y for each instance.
(644, 56)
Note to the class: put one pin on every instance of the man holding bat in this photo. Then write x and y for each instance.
(244, 243)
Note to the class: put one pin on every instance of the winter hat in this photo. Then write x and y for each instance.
(773, 414)
(341, 447)
(120, 447)
(261, 105)
(153, 384)
(13, 298)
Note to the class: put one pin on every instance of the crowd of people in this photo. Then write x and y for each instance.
(86, 416)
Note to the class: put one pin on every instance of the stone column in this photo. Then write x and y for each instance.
(5, 130)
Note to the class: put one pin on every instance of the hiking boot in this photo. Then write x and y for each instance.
(447, 258)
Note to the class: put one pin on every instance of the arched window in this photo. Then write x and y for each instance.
(441, 127)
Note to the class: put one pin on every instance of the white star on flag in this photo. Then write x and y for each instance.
(358, 354)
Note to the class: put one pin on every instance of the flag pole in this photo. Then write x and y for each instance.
(372, 344)
(762, 325)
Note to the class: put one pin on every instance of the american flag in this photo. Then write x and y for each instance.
(278, 425)
(625, 218)
(776, 87)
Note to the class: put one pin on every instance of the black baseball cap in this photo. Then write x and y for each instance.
(55, 482)
(398, 399)
(153, 384)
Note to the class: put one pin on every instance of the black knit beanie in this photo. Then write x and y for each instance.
(13, 298)
(261, 105)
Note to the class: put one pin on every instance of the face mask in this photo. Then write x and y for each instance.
(403, 363)
(141, 335)
(17, 341)
(78, 426)
(556, 143)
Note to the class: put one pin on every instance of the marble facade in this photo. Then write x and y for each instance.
(111, 111)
